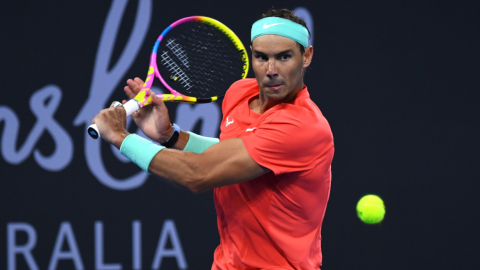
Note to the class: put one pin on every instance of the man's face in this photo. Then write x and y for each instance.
(278, 65)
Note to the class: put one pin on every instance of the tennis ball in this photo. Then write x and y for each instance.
(370, 209)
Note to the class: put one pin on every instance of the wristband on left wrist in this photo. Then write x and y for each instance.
(139, 150)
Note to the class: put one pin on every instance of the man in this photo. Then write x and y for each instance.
(270, 171)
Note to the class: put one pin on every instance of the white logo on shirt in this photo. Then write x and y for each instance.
(228, 122)
(265, 26)
(250, 129)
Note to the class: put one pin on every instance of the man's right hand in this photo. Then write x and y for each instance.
(153, 119)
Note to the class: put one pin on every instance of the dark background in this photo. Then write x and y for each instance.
(397, 80)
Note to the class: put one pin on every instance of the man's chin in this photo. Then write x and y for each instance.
(274, 96)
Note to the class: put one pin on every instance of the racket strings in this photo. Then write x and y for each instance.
(177, 72)
(178, 52)
(199, 60)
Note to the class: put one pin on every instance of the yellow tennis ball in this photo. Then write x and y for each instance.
(370, 209)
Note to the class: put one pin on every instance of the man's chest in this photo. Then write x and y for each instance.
(239, 122)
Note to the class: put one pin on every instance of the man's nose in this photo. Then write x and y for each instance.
(272, 68)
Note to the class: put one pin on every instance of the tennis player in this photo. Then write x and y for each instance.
(270, 169)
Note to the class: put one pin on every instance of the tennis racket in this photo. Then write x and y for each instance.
(198, 59)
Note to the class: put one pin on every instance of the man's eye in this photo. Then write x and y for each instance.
(261, 57)
(284, 57)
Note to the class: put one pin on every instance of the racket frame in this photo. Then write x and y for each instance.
(142, 98)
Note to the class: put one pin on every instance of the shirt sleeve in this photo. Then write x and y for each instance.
(286, 142)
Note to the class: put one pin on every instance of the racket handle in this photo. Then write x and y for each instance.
(130, 107)
(93, 131)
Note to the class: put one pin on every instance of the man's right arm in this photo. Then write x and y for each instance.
(224, 163)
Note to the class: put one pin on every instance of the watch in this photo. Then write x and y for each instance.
(174, 138)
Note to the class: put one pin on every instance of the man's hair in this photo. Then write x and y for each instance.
(289, 15)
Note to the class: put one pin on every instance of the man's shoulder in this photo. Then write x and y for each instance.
(304, 111)
(248, 82)
(244, 87)
(304, 117)
(238, 91)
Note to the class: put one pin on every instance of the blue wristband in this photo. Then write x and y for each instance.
(139, 150)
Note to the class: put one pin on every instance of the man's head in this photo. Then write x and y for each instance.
(289, 15)
(280, 54)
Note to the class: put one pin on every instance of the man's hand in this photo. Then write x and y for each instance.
(153, 120)
(111, 124)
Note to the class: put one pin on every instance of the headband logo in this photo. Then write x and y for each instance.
(265, 26)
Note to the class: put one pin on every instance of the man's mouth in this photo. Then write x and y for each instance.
(274, 86)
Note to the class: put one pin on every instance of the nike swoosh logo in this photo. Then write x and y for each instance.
(265, 26)
(250, 129)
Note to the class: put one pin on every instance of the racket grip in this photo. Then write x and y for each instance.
(130, 107)
(93, 131)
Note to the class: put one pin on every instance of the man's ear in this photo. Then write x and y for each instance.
(307, 56)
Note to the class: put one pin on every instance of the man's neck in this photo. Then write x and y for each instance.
(261, 103)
